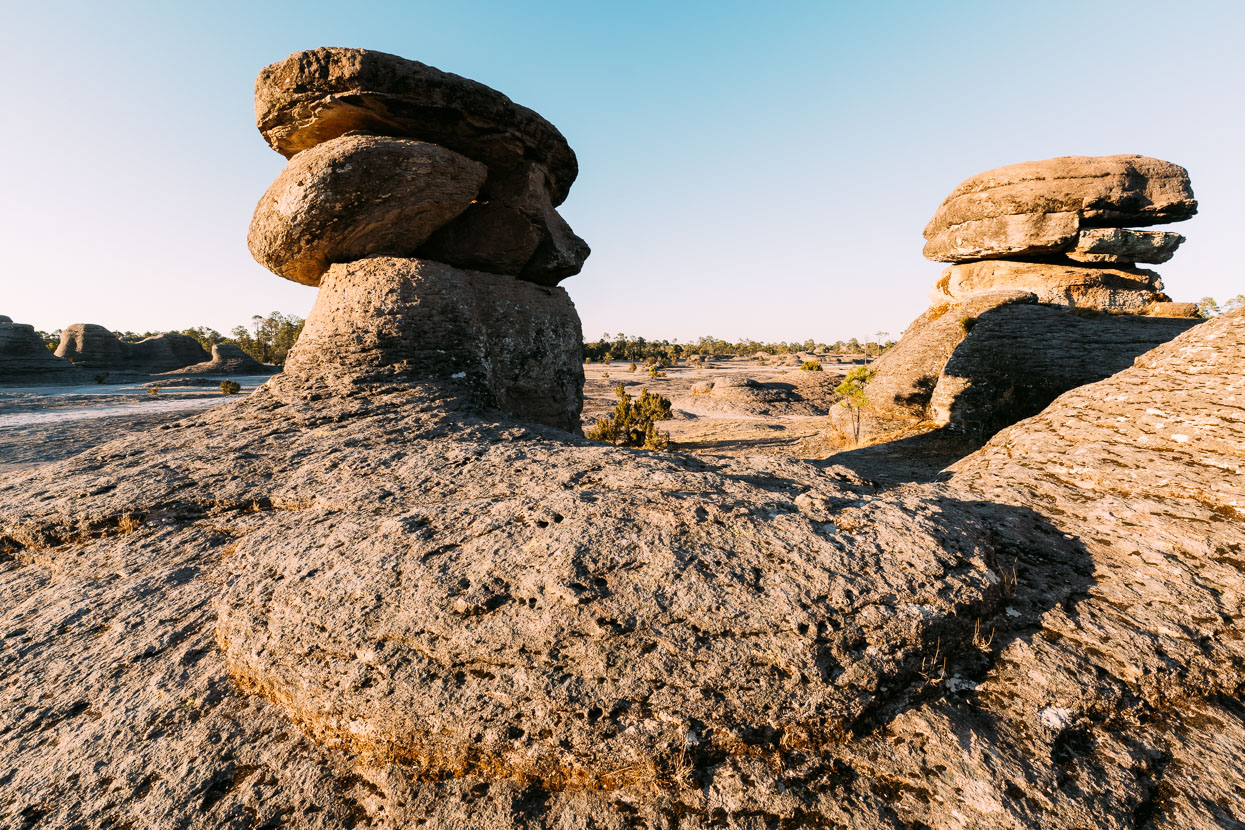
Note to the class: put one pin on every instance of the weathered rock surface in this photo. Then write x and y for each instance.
(1114, 289)
(1039, 208)
(1174, 310)
(92, 346)
(1020, 358)
(357, 196)
(1126, 246)
(384, 608)
(512, 229)
(317, 95)
(24, 359)
(227, 358)
(504, 343)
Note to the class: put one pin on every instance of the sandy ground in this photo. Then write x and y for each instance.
(736, 406)
(781, 412)
(39, 424)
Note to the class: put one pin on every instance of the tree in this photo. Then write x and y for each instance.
(853, 391)
(1207, 307)
(1234, 303)
(632, 423)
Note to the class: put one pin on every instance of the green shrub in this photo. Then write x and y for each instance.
(230, 387)
(654, 372)
(153, 390)
(102, 377)
(811, 366)
(967, 324)
(632, 423)
(853, 391)
(632, 368)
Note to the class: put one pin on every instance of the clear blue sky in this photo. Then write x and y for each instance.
(748, 169)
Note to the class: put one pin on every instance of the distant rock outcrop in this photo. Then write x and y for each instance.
(1044, 294)
(227, 359)
(25, 359)
(95, 347)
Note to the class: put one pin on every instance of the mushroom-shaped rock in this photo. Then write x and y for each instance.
(1040, 207)
(320, 94)
(356, 196)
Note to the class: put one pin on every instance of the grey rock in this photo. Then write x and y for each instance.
(501, 342)
(1120, 245)
(385, 607)
(227, 358)
(320, 94)
(24, 359)
(1174, 310)
(92, 346)
(1039, 208)
(512, 229)
(356, 196)
(1115, 289)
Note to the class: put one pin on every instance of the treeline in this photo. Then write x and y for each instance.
(622, 347)
(268, 339)
(1209, 307)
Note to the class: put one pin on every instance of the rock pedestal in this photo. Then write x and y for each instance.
(423, 205)
(1043, 293)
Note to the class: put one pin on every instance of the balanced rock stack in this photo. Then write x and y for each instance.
(1059, 229)
(423, 205)
(1044, 294)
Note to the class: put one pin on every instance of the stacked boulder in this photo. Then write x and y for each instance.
(1044, 293)
(24, 359)
(91, 346)
(423, 205)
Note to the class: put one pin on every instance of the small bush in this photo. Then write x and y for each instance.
(153, 390)
(605, 376)
(633, 422)
(632, 368)
(102, 377)
(654, 372)
(230, 387)
(811, 366)
(967, 324)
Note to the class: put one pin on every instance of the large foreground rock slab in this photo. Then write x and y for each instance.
(24, 359)
(509, 344)
(357, 196)
(1051, 638)
(317, 95)
(1039, 208)
(1115, 289)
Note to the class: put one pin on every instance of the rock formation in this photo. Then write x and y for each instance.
(94, 347)
(227, 359)
(352, 213)
(359, 597)
(470, 178)
(25, 360)
(1044, 294)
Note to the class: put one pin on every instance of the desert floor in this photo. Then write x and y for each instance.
(754, 407)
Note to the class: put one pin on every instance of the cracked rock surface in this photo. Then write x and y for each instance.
(384, 606)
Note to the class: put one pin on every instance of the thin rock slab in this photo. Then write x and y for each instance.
(1115, 289)
(1124, 246)
(1040, 207)
(506, 343)
(320, 94)
(356, 196)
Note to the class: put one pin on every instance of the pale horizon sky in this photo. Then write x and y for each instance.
(747, 170)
